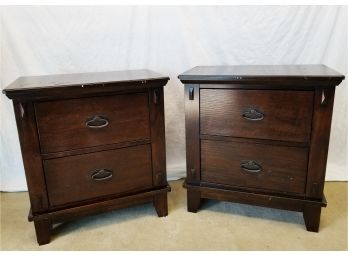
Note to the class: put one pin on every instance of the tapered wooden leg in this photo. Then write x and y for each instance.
(161, 204)
(43, 230)
(193, 200)
(311, 215)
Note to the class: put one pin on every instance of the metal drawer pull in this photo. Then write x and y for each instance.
(97, 122)
(252, 114)
(251, 166)
(103, 174)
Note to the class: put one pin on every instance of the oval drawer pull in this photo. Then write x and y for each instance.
(252, 114)
(97, 122)
(102, 174)
(251, 166)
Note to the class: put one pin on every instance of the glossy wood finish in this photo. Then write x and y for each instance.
(43, 230)
(30, 146)
(193, 159)
(73, 170)
(194, 199)
(81, 84)
(253, 140)
(311, 216)
(221, 164)
(221, 113)
(125, 164)
(105, 205)
(160, 203)
(289, 141)
(323, 107)
(158, 145)
(259, 199)
(60, 121)
(47, 156)
(288, 75)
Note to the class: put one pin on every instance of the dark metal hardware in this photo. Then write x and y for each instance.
(251, 166)
(102, 174)
(159, 177)
(156, 96)
(252, 114)
(21, 109)
(97, 122)
(191, 93)
(192, 172)
(323, 97)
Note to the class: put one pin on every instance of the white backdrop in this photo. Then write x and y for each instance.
(50, 40)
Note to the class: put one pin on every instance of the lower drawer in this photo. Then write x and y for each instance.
(269, 167)
(81, 177)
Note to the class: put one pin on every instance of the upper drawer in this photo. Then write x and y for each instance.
(263, 114)
(77, 123)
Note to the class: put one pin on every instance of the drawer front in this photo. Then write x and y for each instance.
(81, 177)
(275, 168)
(262, 114)
(86, 122)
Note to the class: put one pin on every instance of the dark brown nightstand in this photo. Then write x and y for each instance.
(91, 142)
(259, 135)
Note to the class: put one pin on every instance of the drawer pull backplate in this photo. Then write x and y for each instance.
(102, 174)
(251, 166)
(97, 122)
(252, 114)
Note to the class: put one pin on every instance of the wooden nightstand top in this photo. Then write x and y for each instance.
(260, 73)
(32, 86)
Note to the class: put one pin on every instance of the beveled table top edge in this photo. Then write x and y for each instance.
(237, 73)
(27, 83)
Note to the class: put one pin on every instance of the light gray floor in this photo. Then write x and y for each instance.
(218, 226)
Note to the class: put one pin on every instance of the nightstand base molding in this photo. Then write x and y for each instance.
(311, 209)
(44, 222)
